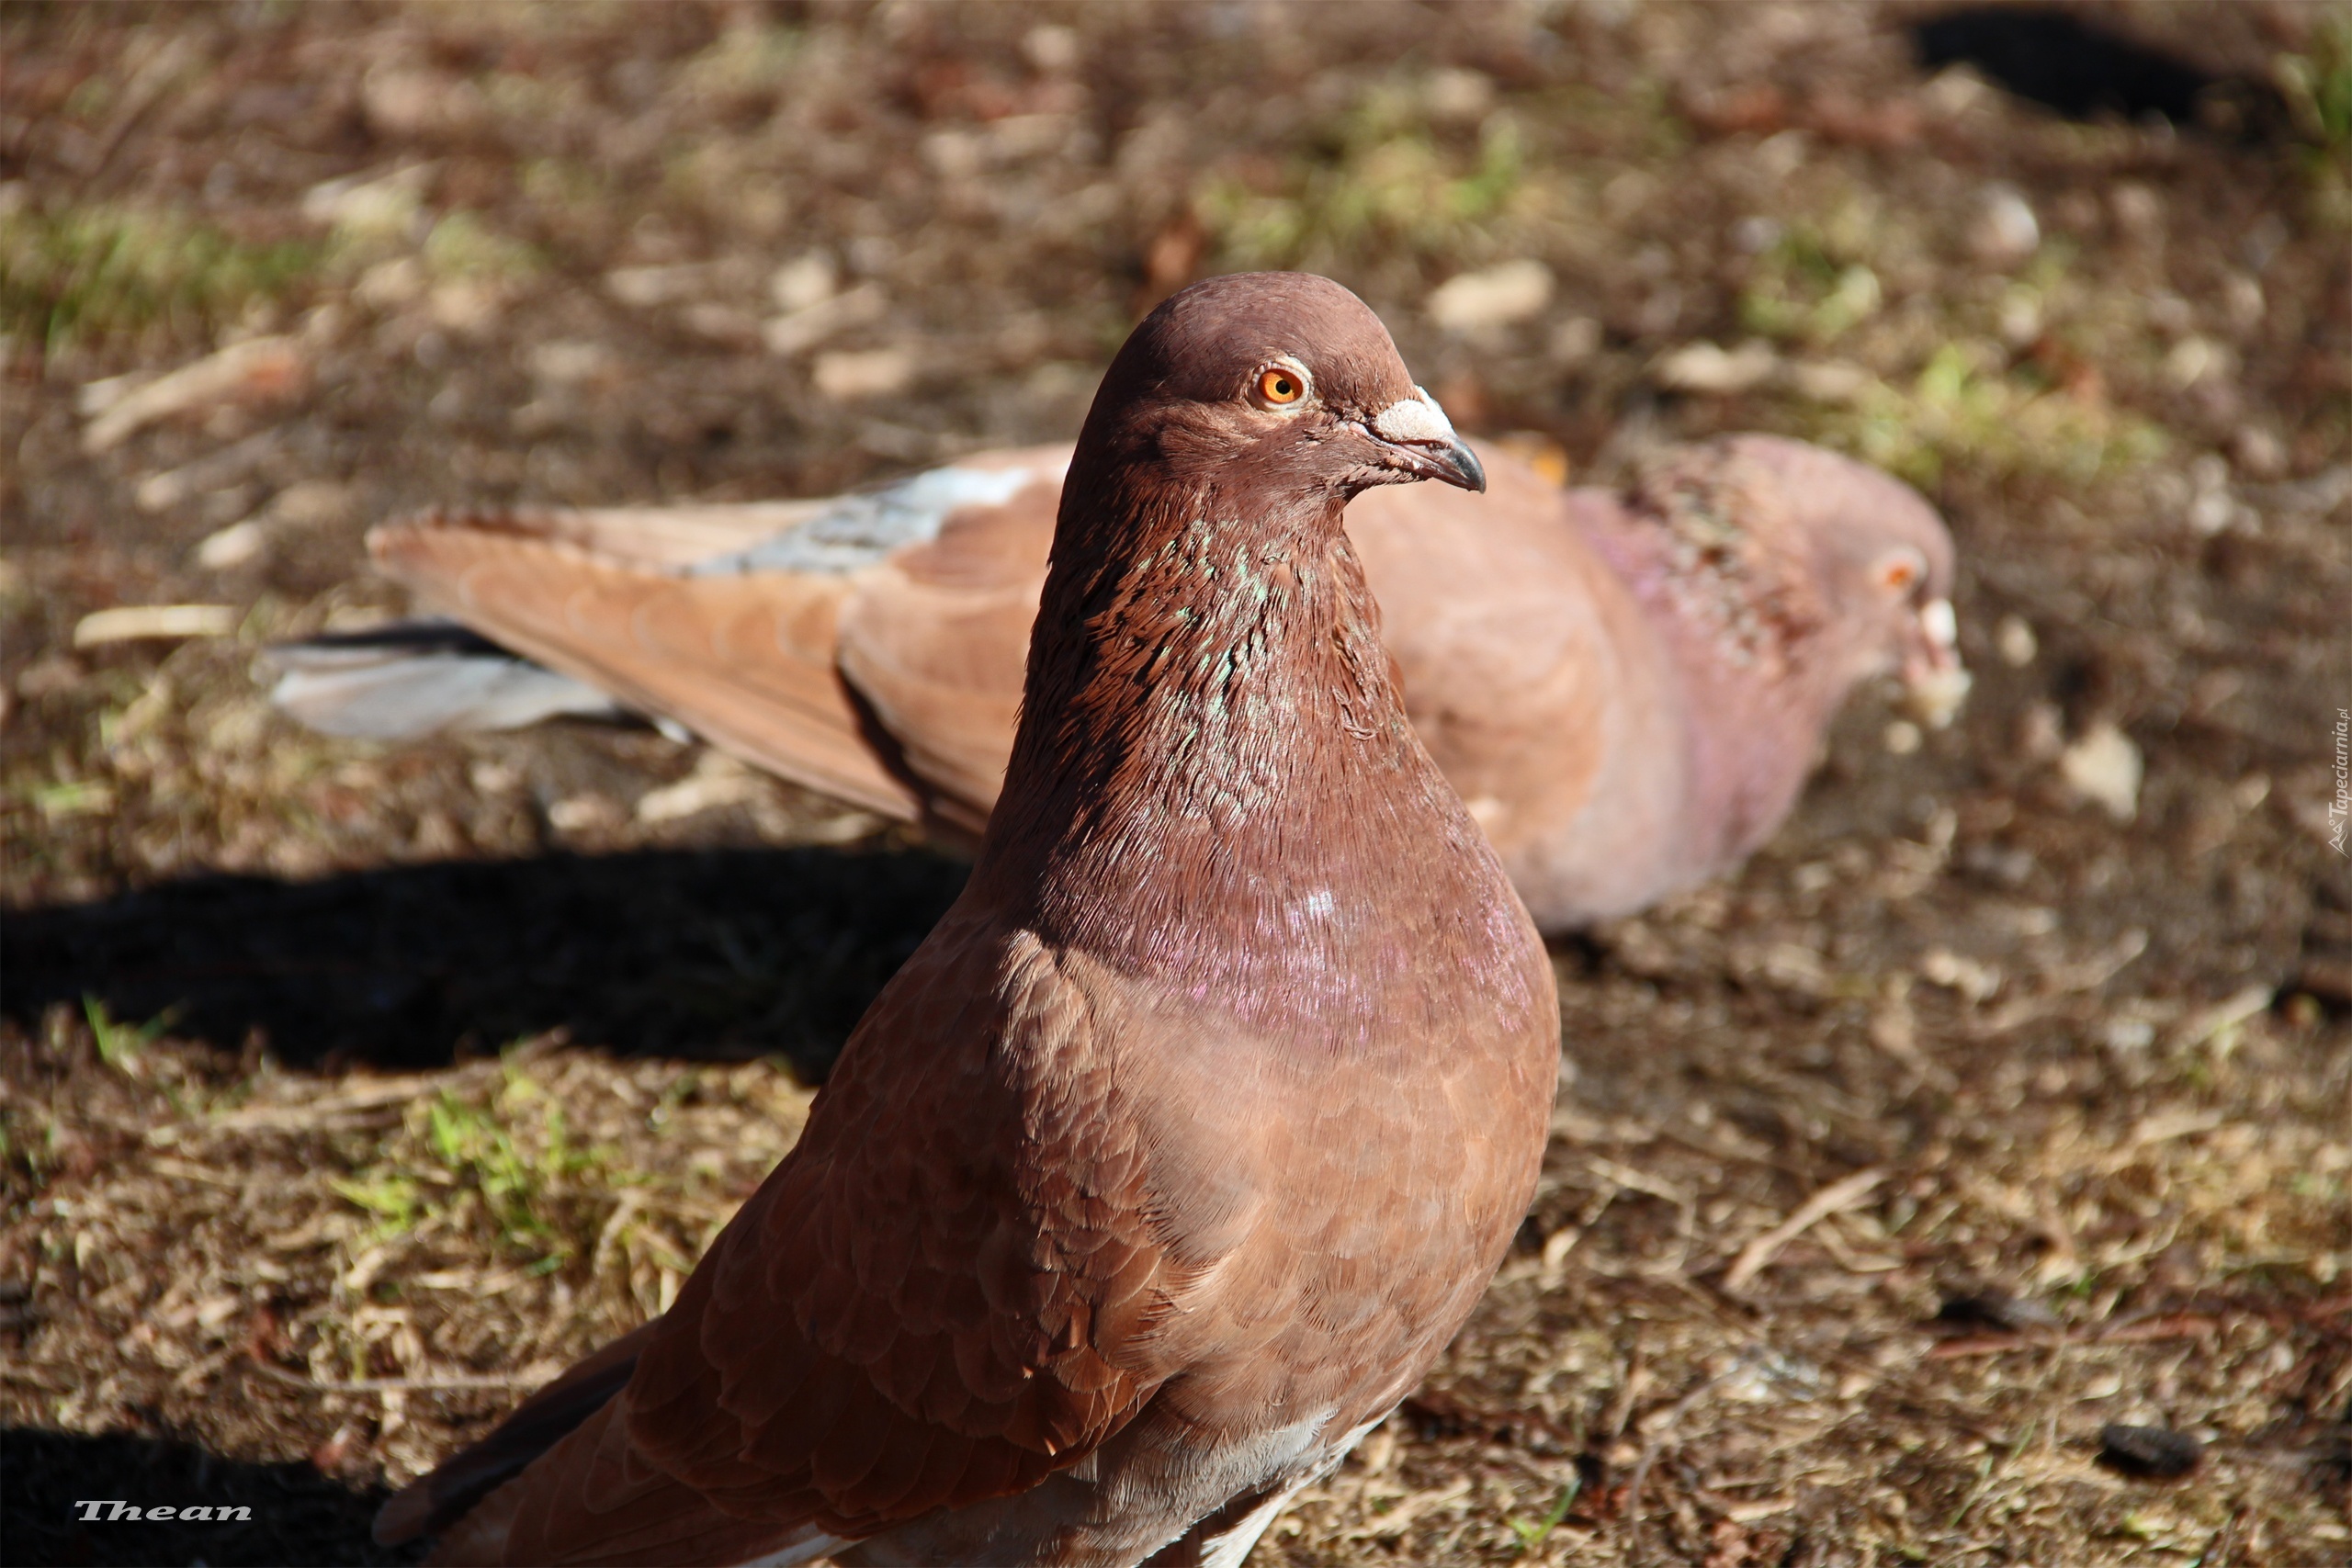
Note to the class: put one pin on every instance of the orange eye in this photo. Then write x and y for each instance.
(1899, 575)
(1280, 387)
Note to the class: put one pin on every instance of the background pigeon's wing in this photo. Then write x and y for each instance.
(936, 640)
(1537, 680)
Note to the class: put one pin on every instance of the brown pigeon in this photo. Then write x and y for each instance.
(1630, 689)
(1168, 1163)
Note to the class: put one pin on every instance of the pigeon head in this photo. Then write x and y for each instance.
(1887, 560)
(1816, 550)
(1283, 380)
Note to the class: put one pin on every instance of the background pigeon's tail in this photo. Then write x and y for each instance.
(614, 603)
(418, 677)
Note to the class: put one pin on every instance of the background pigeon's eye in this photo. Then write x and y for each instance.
(1279, 386)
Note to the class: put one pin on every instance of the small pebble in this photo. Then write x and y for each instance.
(2242, 299)
(2013, 639)
(2260, 454)
(810, 278)
(1829, 381)
(1458, 96)
(2153, 1454)
(1573, 342)
(568, 362)
(1496, 296)
(856, 375)
(1052, 48)
(579, 813)
(1705, 367)
(2020, 317)
(2212, 512)
(2139, 210)
(2194, 358)
(232, 547)
(1757, 233)
(2103, 767)
(492, 777)
(1903, 738)
(2003, 228)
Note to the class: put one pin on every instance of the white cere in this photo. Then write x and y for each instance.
(1417, 418)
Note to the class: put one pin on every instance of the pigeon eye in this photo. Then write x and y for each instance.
(1899, 574)
(1279, 386)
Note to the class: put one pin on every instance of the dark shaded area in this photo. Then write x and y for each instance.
(427, 635)
(1994, 1310)
(2325, 974)
(2332, 1469)
(2067, 62)
(712, 955)
(299, 1514)
(2149, 1453)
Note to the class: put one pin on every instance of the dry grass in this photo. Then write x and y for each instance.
(383, 1234)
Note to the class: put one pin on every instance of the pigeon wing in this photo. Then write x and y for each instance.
(936, 641)
(947, 1292)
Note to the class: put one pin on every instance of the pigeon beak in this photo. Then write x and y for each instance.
(1935, 683)
(1420, 440)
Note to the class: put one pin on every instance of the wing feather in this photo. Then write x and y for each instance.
(768, 1400)
(432, 1503)
(936, 638)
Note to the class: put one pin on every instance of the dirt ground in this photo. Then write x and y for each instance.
(349, 1091)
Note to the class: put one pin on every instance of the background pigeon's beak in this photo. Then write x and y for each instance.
(1934, 681)
(1415, 431)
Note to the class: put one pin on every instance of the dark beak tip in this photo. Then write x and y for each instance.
(1464, 462)
(1477, 471)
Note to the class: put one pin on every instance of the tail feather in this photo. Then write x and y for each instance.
(593, 1500)
(746, 661)
(418, 677)
(432, 1503)
(468, 1504)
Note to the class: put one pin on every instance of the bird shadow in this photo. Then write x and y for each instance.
(704, 954)
(292, 1512)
